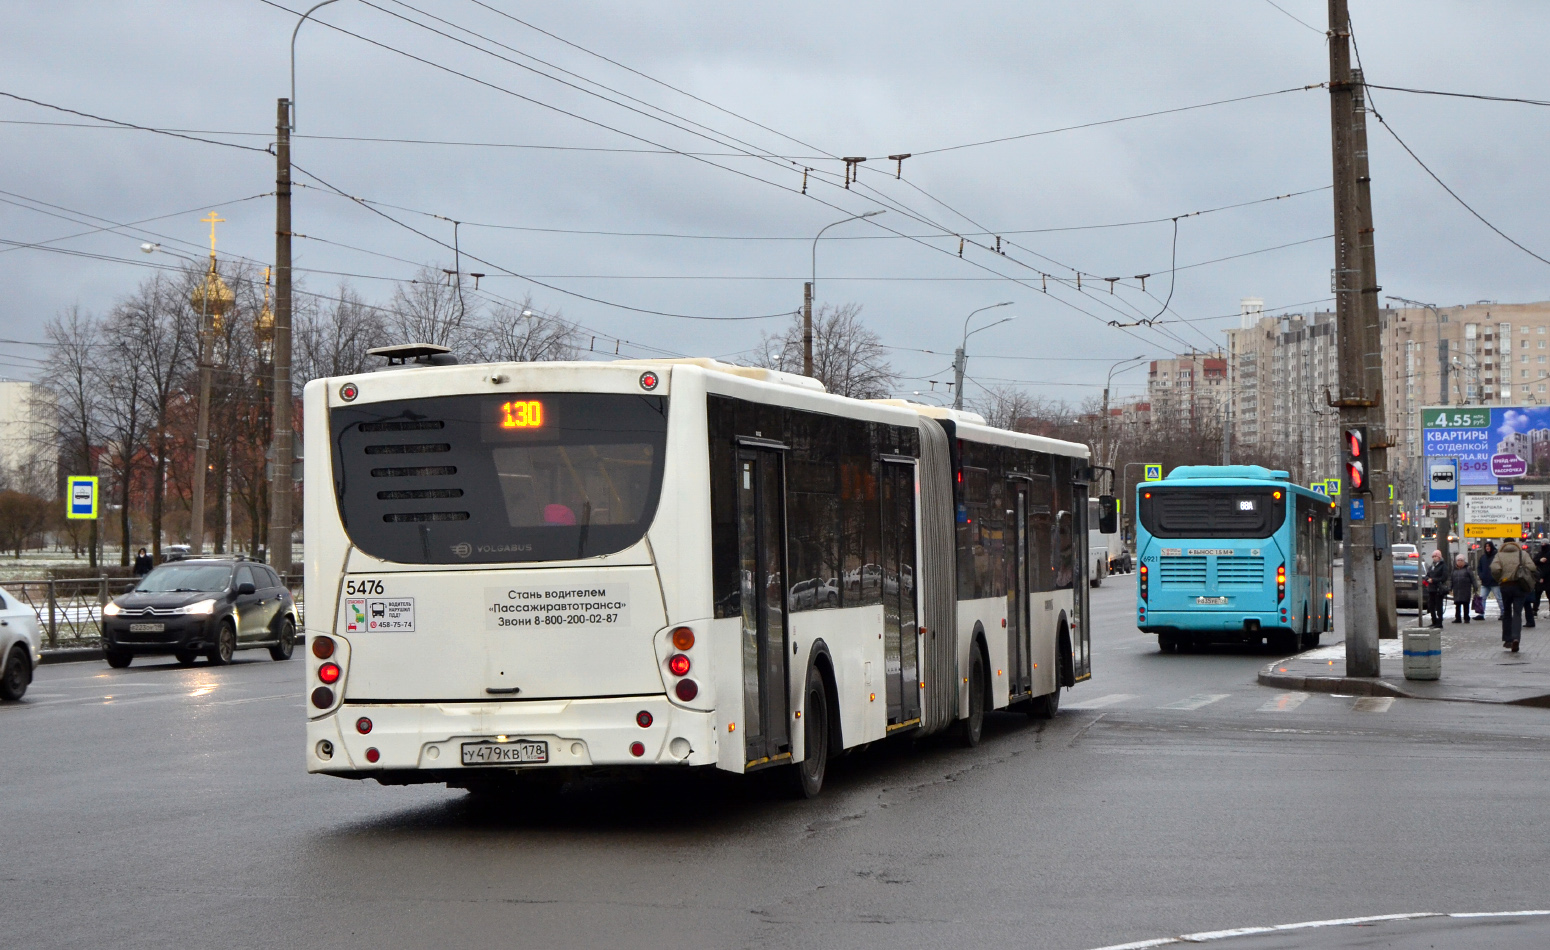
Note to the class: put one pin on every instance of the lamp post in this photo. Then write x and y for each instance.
(1107, 452)
(282, 487)
(959, 359)
(807, 293)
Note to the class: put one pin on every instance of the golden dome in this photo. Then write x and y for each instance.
(212, 295)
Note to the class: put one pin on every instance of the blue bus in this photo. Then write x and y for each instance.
(1234, 553)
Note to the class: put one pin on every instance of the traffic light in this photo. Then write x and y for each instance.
(1356, 459)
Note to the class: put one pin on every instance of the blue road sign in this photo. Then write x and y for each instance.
(81, 497)
(1358, 509)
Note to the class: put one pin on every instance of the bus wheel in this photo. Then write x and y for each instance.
(970, 729)
(1167, 642)
(810, 771)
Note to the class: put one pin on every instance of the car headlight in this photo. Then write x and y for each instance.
(111, 609)
(202, 608)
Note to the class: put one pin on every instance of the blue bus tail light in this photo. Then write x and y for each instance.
(1280, 583)
(1144, 576)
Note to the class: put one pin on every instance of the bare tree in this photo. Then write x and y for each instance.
(428, 309)
(524, 335)
(72, 375)
(1004, 406)
(22, 517)
(124, 414)
(159, 322)
(848, 358)
(333, 334)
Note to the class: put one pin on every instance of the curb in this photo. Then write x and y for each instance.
(1352, 685)
(70, 655)
(86, 654)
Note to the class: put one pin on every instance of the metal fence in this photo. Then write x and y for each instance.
(69, 610)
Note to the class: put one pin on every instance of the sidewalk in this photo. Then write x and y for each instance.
(1475, 668)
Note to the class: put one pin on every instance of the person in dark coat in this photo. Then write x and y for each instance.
(1542, 565)
(143, 563)
(1514, 571)
(1464, 583)
(1488, 583)
(1437, 578)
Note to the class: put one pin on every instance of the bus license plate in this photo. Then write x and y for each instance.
(147, 627)
(521, 752)
(1221, 601)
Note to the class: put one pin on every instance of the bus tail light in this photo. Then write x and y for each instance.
(322, 647)
(683, 639)
(1280, 583)
(322, 697)
(1145, 576)
(679, 664)
(687, 690)
(643, 719)
(372, 755)
(363, 725)
(329, 673)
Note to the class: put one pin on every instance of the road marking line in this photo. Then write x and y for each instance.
(1286, 702)
(1101, 701)
(1210, 935)
(1373, 704)
(1196, 701)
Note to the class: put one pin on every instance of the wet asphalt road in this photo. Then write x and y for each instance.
(159, 806)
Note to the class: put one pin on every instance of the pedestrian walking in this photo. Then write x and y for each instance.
(1464, 583)
(1437, 577)
(1488, 583)
(1514, 572)
(143, 563)
(1541, 565)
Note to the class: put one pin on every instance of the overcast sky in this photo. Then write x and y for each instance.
(846, 79)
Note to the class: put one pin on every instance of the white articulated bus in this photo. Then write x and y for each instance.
(529, 566)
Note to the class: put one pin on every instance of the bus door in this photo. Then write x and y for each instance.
(1019, 620)
(761, 537)
(1081, 642)
(900, 630)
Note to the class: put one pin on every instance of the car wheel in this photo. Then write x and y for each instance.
(118, 659)
(971, 729)
(282, 650)
(18, 673)
(809, 773)
(225, 645)
(185, 657)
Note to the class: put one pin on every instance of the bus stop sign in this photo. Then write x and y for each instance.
(1443, 485)
(81, 498)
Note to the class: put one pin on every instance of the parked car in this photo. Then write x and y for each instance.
(208, 606)
(21, 646)
(175, 552)
(1407, 575)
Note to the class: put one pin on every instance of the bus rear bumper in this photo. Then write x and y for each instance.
(429, 737)
(1198, 621)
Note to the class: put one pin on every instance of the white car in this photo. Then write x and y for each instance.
(21, 646)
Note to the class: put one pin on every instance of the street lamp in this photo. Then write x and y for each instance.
(807, 293)
(958, 357)
(292, 118)
(1107, 453)
(1442, 345)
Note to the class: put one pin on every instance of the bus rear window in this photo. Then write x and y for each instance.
(488, 479)
(1213, 512)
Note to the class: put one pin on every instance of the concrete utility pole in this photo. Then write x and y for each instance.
(1372, 364)
(1355, 400)
(958, 355)
(282, 488)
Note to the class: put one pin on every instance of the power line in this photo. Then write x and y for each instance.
(1459, 95)
(1298, 19)
(1127, 118)
(1373, 108)
(130, 125)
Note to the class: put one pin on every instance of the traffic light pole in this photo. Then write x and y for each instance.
(1355, 402)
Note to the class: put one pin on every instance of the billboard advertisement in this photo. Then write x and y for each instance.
(1490, 443)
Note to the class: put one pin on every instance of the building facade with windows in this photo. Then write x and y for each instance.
(1279, 369)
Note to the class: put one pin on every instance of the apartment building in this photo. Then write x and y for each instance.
(27, 462)
(1191, 387)
(1279, 369)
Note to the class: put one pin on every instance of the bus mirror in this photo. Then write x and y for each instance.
(1337, 529)
(1108, 515)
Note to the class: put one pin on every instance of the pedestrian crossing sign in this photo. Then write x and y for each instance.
(1332, 487)
(1153, 472)
(1320, 487)
(81, 497)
